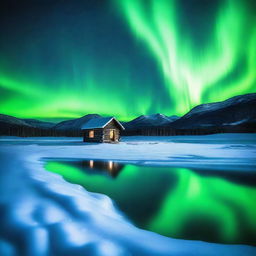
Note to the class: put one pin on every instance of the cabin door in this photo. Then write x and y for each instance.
(112, 135)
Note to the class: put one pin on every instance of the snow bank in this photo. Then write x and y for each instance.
(41, 214)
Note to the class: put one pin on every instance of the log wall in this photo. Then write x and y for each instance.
(98, 135)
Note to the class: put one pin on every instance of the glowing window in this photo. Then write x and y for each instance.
(111, 134)
(91, 134)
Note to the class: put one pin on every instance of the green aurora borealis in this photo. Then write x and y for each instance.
(64, 59)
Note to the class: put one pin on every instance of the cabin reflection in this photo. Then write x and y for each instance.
(113, 168)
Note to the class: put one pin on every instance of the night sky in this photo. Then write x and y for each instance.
(63, 59)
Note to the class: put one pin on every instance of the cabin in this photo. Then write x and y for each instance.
(103, 129)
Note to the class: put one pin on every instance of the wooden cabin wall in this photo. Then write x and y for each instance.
(98, 135)
(106, 135)
(112, 125)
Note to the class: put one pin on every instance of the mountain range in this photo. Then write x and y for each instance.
(74, 124)
(6, 120)
(237, 112)
(150, 121)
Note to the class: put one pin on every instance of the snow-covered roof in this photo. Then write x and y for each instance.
(100, 122)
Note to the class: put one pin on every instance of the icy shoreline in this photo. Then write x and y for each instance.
(42, 214)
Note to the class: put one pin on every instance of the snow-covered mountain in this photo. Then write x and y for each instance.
(74, 124)
(236, 111)
(150, 121)
(6, 120)
(11, 120)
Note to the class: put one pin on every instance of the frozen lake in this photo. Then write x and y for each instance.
(213, 206)
(187, 188)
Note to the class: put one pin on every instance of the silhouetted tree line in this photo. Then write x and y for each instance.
(24, 131)
(167, 131)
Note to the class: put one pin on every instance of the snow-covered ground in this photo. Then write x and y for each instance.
(42, 214)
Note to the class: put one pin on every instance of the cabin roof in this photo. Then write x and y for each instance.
(100, 122)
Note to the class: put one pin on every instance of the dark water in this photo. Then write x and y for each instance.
(175, 202)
